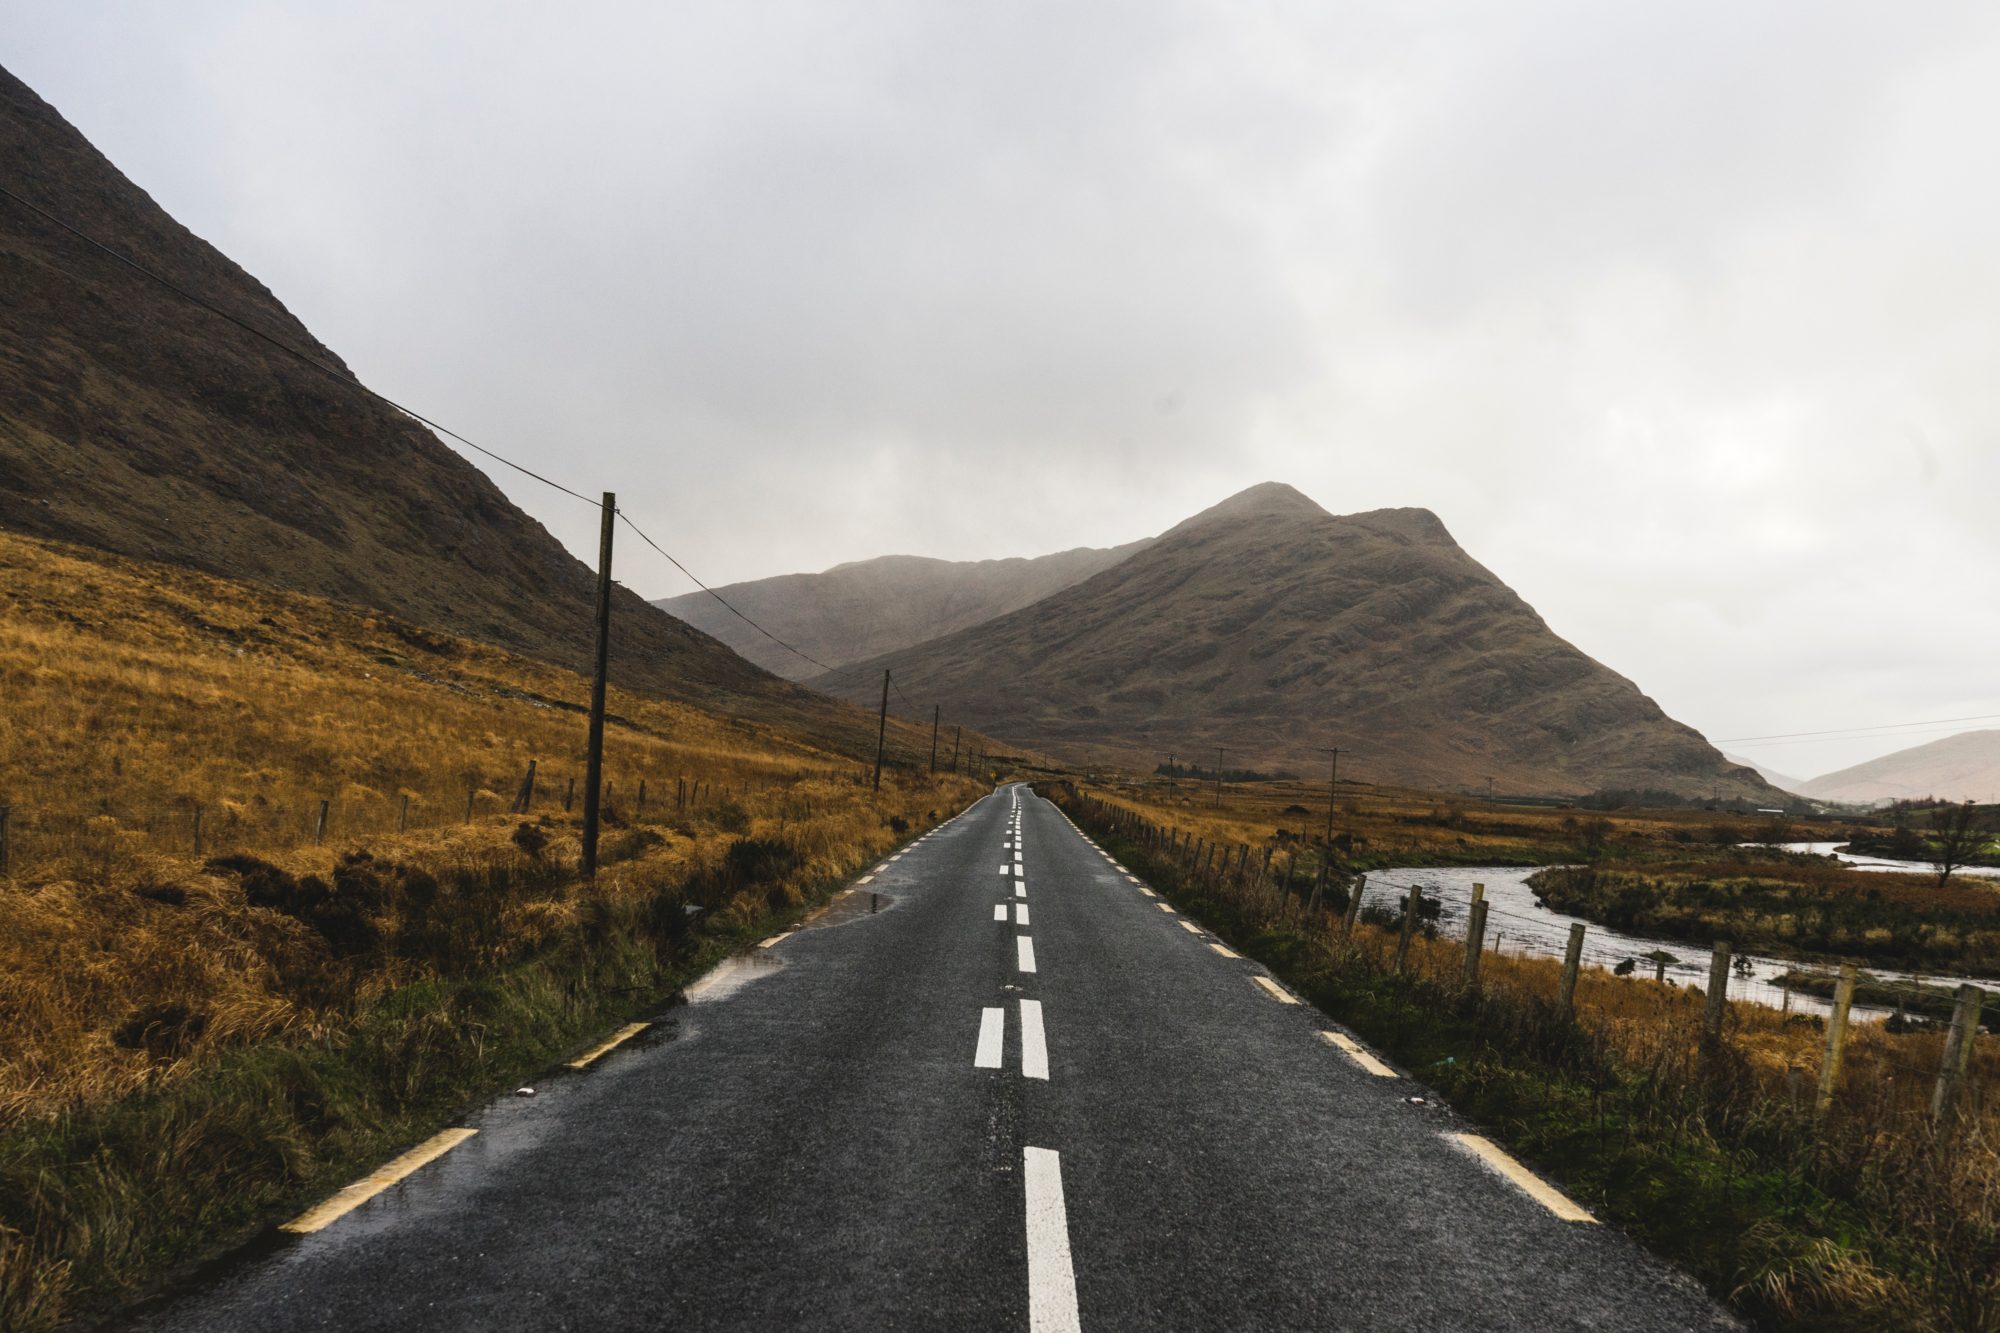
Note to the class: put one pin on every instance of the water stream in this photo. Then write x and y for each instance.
(1517, 923)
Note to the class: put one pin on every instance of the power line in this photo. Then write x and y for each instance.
(344, 376)
(348, 378)
(626, 519)
(1844, 731)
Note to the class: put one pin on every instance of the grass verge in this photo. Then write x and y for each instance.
(1861, 1219)
(436, 1010)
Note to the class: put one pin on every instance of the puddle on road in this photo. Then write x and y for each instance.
(732, 975)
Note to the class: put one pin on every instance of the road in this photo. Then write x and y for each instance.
(1023, 1093)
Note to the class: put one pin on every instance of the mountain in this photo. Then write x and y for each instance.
(1782, 781)
(1269, 627)
(1965, 767)
(133, 421)
(868, 607)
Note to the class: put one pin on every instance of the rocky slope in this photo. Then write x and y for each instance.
(867, 607)
(1269, 627)
(136, 422)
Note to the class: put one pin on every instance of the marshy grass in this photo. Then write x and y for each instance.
(1862, 1218)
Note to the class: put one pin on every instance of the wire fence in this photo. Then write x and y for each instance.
(1927, 1075)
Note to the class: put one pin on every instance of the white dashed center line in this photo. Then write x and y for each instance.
(1190, 927)
(992, 1029)
(1020, 914)
(1034, 1042)
(999, 911)
(1223, 951)
(1051, 1279)
(1024, 953)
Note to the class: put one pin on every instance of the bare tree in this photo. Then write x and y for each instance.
(1958, 832)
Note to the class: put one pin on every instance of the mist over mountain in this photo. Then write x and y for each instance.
(1273, 629)
(1964, 767)
(133, 421)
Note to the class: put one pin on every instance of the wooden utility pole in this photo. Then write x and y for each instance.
(955, 732)
(593, 773)
(882, 729)
(1218, 777)
(1170, 772)
(936, 712)
(1332, 794)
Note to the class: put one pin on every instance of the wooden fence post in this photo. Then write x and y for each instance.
(1718, 992)
(525, 797)
(640, 811)
(1957, 1058)
(403, 814)
(1572, 959)
(1353, 912)
(1411, 902)
(470, 788)
(1836, 1038)
(6, 817)
(1475, 935)
(569, 794)
(197, 828)
(319, 825)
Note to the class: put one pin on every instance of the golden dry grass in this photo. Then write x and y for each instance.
(135, 693)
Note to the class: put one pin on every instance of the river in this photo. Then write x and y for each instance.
(1518, 924)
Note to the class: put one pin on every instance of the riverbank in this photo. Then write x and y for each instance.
(1797, 907)
(1709, 1152)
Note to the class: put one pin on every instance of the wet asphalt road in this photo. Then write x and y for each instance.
(812, 1142)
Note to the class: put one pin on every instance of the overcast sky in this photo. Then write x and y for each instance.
(1682, 317)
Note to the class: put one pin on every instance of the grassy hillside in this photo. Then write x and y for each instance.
(135, 421)
(1269, 627)
(869, 607)
(196, 1042)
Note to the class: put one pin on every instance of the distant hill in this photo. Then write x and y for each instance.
(135, 422)
(1965, 767)
(869, 607)
(1782, 781)
(1269, 627)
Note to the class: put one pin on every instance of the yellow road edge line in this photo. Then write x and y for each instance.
(1190, 927)
(1520, 1177)
(1278, 993)
(776, 939)
(1352, 1050)
(622, 1035)
(1164, 907)
(1223, 950)
(372, 1184)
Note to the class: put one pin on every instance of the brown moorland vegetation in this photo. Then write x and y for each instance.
(197, 1041)
(1864, 1217)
